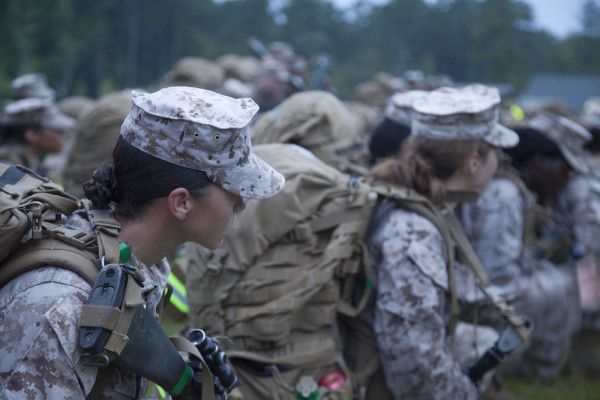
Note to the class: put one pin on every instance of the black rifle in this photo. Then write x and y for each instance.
(498, 352)
(149, 352)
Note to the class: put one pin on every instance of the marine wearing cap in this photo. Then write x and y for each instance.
(466, 113)
(569, 136)
(202, 130)
(31, 85)
(37, 111)
(400, 106)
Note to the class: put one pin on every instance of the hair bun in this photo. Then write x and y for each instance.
(100, 189)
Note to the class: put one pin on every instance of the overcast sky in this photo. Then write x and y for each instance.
(560, 17)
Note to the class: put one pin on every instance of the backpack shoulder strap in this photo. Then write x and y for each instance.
(107, 232)
(467, 254)
(38, 253)
(533, 211)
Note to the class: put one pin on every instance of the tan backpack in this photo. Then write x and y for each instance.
(277, 284)
(32, 232)
(321, 123)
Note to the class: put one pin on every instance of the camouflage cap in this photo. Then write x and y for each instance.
(400, 106)
(569, 136)
(31, 85)
(591, 113)
(202, 130)
(466, 113)
(37, 111)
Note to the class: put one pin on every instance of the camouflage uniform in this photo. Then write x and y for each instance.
(410, 313)
(578, 208)
(535, 287)
(39, 336)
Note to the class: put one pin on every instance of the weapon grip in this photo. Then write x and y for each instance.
(109, 291)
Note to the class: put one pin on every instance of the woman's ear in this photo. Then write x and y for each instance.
(473, 163)
(179, 203)
(31, 137)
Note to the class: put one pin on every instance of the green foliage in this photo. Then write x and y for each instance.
(87, 48)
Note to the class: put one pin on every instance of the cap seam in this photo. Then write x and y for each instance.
(178, 143)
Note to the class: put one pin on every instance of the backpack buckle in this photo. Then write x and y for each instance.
(301, 232)
(36, 220)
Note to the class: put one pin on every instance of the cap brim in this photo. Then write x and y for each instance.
(502, 137)
(578, 163)
(58, 121)
(254, 180)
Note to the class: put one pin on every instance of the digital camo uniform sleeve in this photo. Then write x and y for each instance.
(578, 207)
(39, 335)
(411, 314)
(494, 225)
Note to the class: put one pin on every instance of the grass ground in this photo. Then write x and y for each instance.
(571, 387)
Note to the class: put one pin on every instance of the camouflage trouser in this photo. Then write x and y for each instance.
(550, 298)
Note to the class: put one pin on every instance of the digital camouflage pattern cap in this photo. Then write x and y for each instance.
(400, 106)
(31, 85)
(466, 113)
(591, 113)
(569, 136)
(37, 111)
(202, 130)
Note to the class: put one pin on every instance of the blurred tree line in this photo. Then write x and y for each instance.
(93, 47)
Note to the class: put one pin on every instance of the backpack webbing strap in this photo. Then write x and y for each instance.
(335, 219)
(72, 237)
(60, 201)
(107, 230)
(184, 345)
(469, 257)
(352, 222)
(348, 309)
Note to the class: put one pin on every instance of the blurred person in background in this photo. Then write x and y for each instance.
(388, 136)
(33, 128)
(31, 85)
(503, 227)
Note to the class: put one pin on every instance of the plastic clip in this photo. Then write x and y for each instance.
(135, 273)
(94, 360)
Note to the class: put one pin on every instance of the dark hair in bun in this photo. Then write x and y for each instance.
(136, 178)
